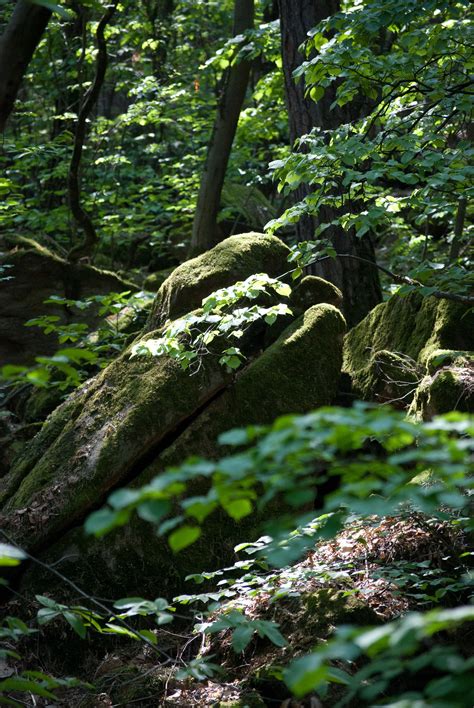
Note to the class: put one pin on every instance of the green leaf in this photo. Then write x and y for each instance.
(238, 508)
(122, 498)
(101, 522)
(11, 555)
(153, 510)
(183, 537)
(241, 637)
(271, 631)
(305, 675)
(76, 623)
(316, 93)
(24, 685)
(235, 437)
(283, 289)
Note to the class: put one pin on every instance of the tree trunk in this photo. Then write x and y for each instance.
(358, 281)
(204, 234)
(81, 216)
(17, 45)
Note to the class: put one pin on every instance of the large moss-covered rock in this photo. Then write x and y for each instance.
(36, 274)
(312, 290)
(234, 259)
(141, 415)
(96, 438)
(297, 373)
(408, 330)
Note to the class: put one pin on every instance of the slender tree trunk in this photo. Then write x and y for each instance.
(458, 229)
(80, 215)
(204, 233)
(17, 45)
(358, 281)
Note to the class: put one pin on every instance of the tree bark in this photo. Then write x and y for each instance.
(22, 35)
(205, 233)
(358, 281)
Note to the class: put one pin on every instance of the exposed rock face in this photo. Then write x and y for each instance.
(36, 274)
(389, 352)
(142, 415)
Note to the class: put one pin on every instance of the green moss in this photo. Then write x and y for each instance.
(449, 389)
(312, 290)
(388, 377)
(299, 372)
(327, 608)
(40, 403)
(235, 258)
(413, 326)
(440, 358)
(28, 244)
(91, 443)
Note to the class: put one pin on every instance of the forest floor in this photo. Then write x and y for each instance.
(377, 570)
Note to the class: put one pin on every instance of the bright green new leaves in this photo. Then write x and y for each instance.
(188, 339)
(10, 555)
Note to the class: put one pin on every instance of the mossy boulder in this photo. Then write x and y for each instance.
(299, 372)
(96, 438)
(312, 290)
(449, 388)
(141, 415)
(36, 274)
(235, 258)
(411, 328)
(387, 378)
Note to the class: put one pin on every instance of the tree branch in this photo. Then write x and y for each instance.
(403, 279)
